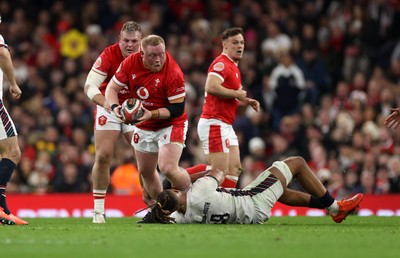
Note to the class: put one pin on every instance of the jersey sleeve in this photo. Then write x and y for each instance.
(176, 84)
(204, 184)
(102, 65)
(177, 90)
(218, 69)
(121, 75)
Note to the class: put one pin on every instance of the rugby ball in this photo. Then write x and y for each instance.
(131, 110)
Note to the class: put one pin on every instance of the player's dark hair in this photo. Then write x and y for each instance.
(231, 32)
(167, 201)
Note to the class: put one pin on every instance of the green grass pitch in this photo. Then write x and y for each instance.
(278, 238)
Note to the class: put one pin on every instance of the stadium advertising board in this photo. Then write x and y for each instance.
(80, 205)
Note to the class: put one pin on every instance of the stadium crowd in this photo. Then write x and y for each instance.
(326, 73)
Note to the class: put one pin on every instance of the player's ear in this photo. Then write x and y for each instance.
(224, 44)
(141, 53)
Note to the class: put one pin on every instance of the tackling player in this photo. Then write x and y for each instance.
(205, 203)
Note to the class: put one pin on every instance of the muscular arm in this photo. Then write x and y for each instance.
(8, 70)
(214, 87)
(111, 96)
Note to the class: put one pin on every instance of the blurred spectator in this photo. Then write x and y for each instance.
(255, 162)
(70, 180)
(125, 180)
(382, 180)
(354, 56)
(368, 184)
(276, 44)
(280, 148)
(341, 99)
(318, 156)
(317, 79)
(351, 182)
(288, 82)
(336, 185)
(394, 174)
(42, 173)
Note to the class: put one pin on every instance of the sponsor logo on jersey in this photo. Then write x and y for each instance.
(143, 93)
(219, 66)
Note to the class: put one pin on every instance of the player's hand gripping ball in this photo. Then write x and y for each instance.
(131, 110)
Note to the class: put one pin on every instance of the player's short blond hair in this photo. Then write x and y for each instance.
(152, 40)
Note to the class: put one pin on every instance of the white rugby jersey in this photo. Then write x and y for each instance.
(207, 205)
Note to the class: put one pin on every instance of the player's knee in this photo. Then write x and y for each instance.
(167, 169)
(300, 160)
(103, 158)
(295, 163)
(13, 154)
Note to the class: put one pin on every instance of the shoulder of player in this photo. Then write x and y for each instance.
(111, 49)
(170, 60)
(111, 53)
(131, 59)
(172, 67)
(221, 63)
(209, 181)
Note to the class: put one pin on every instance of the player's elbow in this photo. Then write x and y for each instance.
(85, 88)
(210, 89)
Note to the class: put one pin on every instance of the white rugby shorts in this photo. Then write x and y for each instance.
(109, 121)
(7, 127)
(151, 141)
(269, 190)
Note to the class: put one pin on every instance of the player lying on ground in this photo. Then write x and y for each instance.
(206, 203)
